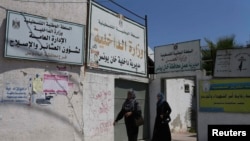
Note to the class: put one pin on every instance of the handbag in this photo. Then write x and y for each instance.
(139, 121)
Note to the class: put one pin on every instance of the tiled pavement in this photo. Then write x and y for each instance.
(184, 137)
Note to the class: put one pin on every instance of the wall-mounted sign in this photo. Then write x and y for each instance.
(225, 95)
(183, 56)
(232, 63)
(37, 38)
(116, 43)
(15, 92)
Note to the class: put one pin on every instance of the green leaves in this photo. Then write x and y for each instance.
(209, 55)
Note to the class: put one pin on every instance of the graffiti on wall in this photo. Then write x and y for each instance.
(99, 106)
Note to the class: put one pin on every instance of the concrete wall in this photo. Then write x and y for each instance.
(85, 113)
(61, 117)
(98, 107)
(180, 102)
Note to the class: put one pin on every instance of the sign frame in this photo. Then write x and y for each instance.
(34, 37)
(116, 43)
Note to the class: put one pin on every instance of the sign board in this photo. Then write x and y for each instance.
(183, 56)
(232, 63)
(116, 43)
(37, 38)
(225, 95)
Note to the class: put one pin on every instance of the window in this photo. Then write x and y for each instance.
(186, 88)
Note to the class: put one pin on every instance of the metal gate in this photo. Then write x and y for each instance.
(141, 90)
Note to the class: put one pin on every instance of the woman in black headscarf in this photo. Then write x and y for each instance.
(130, 110)
(161, 128)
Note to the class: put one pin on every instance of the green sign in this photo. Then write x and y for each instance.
(225, 95)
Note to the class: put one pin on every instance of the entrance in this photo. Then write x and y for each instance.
(141, 90)
(181, 96)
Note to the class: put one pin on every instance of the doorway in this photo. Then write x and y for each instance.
(181, 96)
(141, 90)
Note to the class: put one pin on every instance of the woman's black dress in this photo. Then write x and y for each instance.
(131, 128)
(161, 128)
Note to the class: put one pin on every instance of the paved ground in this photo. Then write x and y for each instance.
(184, 137)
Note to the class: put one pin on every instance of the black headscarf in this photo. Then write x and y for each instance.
(129, 103)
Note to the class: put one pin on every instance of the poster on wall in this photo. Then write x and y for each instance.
(183, 56)
(225, 95)
(38, 38)
(55, 84)
(116, 43)
(15, 92)
(15, 89)
(232, 63)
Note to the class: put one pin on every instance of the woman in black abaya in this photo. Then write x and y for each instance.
(161, 128)
(130, 110)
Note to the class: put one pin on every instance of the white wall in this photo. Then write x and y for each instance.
(62, 118)
(59, 120)
(180, 102)
(98, 103)
(85, 113)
